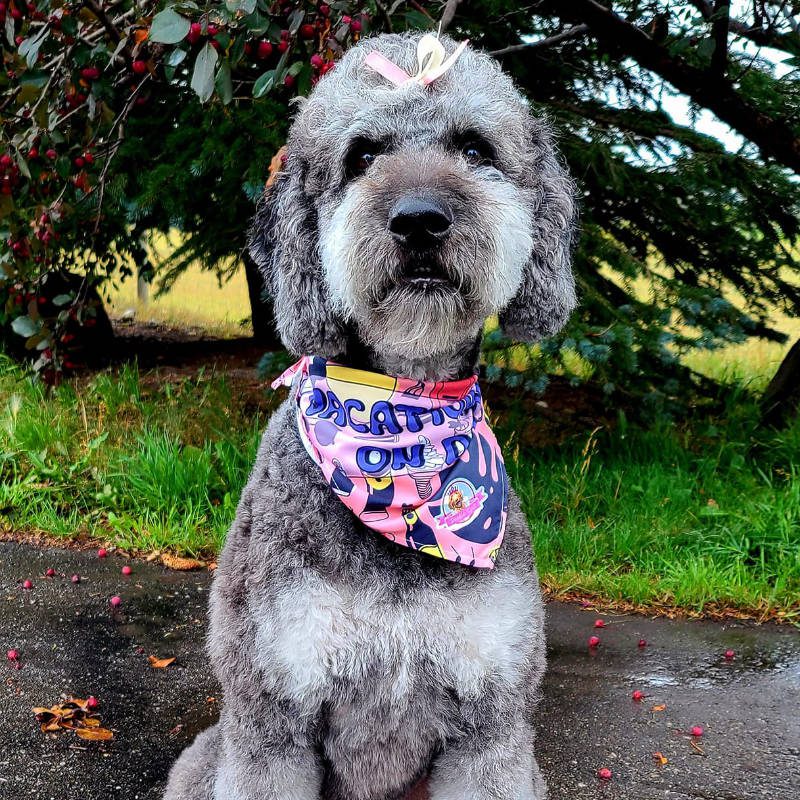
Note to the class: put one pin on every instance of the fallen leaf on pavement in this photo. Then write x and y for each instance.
(659, 708)
(160, 663)
(75, 715)
(660, 758)
(179, 563)
(95, 734)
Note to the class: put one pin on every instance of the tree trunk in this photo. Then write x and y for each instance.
(260, 306)
(781, 399)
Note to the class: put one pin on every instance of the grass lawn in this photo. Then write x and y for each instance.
(702, 517)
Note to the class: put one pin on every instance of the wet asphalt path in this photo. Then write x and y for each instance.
(71, 642)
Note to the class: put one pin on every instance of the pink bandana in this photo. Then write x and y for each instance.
(415, 461)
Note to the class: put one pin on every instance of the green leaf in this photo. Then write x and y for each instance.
(264, 83)
(29, 49)
(223, 82)
(62, 299)
(169, 27)
(176, 57)
(25, 326)
(203, 75)
(296, 20)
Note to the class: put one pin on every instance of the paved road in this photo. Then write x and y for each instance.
(70, 641)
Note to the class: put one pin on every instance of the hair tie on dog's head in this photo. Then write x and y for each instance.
(431, 62)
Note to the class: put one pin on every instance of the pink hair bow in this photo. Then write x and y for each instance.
(431, 62)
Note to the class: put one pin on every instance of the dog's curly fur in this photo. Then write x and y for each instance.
(353, 667)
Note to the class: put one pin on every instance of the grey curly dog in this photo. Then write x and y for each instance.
(353, 668)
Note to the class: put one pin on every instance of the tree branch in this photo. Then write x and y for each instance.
(448, 14)
(773, 135)
(571, 33)
(764, 37)
(719, 32)
(104, 20)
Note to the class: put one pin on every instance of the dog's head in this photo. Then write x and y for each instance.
(409, 215)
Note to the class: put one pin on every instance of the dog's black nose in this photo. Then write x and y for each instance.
(419, 222)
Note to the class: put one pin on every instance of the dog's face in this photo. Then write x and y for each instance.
(412, 214)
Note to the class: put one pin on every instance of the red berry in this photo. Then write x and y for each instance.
(604, 773)
(79, 162)
(289, 81)
(76, 578)
(195, 32)
(642, 642)
(102, 552)
(355, 26)
(697, 730)
(126, 570)
(324, 9)
(346, 20)
(33, 153)
(594, 641)
(307, 31)
(284, 35)
(264, 49)
(12, 655)
(6, 160)
(51, 573)
(638, 696)
(283, 46)
(51, 154)
(598, 623)
(729, 655)
(317, 61)
(139, 67)
(213, 30)
(91, 702)
(116, 601)
(27, 584)
(90, 73)
(88, 158)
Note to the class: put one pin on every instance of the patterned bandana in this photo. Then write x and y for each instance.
(415, 461)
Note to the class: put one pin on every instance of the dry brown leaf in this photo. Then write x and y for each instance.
(95, 734)
(660, 758)
(659, 708)
(180, 563)
(160, 663)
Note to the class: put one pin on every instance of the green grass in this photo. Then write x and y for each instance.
(699, 516)
(690, 518)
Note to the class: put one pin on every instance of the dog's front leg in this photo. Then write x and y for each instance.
(494, 761)
(266, 757)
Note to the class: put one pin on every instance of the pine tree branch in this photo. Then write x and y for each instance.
(774, 136)
(571, 33)
(764, 37)
(643, 122)
(719, 32)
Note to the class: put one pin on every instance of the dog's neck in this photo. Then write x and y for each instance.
(458, 363)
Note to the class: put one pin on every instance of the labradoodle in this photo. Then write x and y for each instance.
(354, 662)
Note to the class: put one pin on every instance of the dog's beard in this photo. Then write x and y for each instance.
(415, 323)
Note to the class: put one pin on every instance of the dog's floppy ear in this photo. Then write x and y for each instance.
(283, 242)
(546, 296)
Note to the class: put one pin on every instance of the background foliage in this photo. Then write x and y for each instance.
(124, 118)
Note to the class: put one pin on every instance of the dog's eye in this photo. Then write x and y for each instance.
(361, 157)
(364, 160)
(476, 153)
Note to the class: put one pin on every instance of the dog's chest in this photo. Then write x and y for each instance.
(323, 642)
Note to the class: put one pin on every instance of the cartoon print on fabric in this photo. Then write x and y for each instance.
(414, 460)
